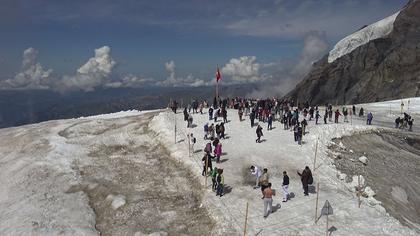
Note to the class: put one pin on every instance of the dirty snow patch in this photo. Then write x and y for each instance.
(363, 159)
(399, 194)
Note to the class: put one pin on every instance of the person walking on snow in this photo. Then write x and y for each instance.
(206, 163)
(259, 134)
(240, 113)
(285, 186)
(306, 178)
(264, 179)
(270, 122)
(369, 118)
(257, 172)
(193, 140)
(268, 200)
(252, 118)
(336, 115)
(213, 179)
(206, 131)
(218, 152)
(210, 113)
(220, 179)
(317, 116)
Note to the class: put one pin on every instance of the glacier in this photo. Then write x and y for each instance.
(376, 30)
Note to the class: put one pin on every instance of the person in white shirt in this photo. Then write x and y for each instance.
(257, 172)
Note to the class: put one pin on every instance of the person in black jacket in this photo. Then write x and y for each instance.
(285, 186)
(207, 162)
(306, 178)
(259, 134)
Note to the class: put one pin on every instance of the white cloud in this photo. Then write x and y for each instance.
(173, 80)
(32, 74)
(287, 73)
(243, 69)
(94, 73)
(130, 81)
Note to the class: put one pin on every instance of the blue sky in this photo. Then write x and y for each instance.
(195, 35)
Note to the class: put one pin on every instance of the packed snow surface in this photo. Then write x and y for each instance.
(278, 152)
(376, 30)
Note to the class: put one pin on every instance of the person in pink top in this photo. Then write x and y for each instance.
(218, 152)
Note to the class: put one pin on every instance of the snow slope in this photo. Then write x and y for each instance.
(278, 153)
(376, 30)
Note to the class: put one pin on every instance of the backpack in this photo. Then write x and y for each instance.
(311, 179)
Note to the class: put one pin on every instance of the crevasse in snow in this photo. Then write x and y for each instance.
(376, 30)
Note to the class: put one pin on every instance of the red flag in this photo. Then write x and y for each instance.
(218, 76)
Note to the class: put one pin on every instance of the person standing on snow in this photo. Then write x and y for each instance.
(259, 134)
(257, 172)
(317, 116)
(264, 179)
(336, 115)
(206, 131)
(325, 117)
(220, 179)
(252, 118)
(369, 118)
(213, 179)
(210, 113)
(285, 186)
(218, 152)
(270, 122)
(345, 113)
(240, 113)
(222, 130)
(306, 178)
(268, 200)
(206, 163)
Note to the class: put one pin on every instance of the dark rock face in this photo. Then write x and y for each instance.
(383, 69)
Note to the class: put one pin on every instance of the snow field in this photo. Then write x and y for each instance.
(278, 152)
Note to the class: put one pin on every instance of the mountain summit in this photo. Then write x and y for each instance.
(378, 62)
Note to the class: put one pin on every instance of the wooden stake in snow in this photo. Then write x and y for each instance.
(189, 145)
(358, 190)
(246, 217)
(175, 126)
(316, 204)
(316, 150)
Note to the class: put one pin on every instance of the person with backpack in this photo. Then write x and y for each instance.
(218, 151)
(285, 186)
(206, 163)
(220, 179)
(264, 179)
(213, 179)
(307, 179)
(211, 131)
(259, 134)
(268, 194)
